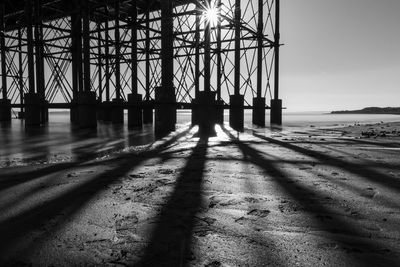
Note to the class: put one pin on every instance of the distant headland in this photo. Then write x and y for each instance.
(370, 110)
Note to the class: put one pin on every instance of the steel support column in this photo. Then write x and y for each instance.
(165, 95)
(207, 54)
(76, 53)
(99, 63)
(3, 52)
(20, 75)
(206, 99)
(32, 99)
(86, 46)
(40, 83)
(218, 53)
(117, 110)
(236, 112)
(134, 50)
(238, 15)
(107, 56)
(195, 107)
(197, 53)
(148, 110)
(219, 109)
(259, 101)
(134, 99)
(276, 103)
(39, 49)
(30, 44)
(117, 46)
(5, 104)
(87, 98)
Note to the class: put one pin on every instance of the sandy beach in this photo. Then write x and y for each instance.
(265, 197)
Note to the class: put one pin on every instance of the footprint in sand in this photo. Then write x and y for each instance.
(166, 171)
(259, 213)
(369, 192)
(203, 226)
(126, 227)
(213, 264)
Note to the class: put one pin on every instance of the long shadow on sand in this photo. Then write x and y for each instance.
(171, 239)
(54, 212)
(349, 235)
(361, 170)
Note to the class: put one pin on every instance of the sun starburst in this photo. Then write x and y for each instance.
(211, 13)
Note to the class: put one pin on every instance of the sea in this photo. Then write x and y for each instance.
(59, 142)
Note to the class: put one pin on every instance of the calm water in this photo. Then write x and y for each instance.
(56, 142)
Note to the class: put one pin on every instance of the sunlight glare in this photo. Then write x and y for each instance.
(211, 15)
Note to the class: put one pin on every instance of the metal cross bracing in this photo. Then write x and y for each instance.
(111, 49)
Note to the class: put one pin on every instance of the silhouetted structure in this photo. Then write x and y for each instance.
(98, 58)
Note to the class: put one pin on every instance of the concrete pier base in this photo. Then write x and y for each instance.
(259, 111)
(276, 111)
(147, 112)
(195, 111)
(100, 111)
(104, 111)
(5, 110)
(117, 111)
(165, 115)
(33, 104)
(236, 112)
(44, 111)
(73, 111)
(219, 112)
(205, 112)
(135, 117)
(87, 110)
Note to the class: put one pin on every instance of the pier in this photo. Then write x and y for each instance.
(151, 58)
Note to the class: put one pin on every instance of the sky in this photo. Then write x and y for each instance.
(340, 54)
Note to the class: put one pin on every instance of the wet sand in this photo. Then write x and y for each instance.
(309, 197)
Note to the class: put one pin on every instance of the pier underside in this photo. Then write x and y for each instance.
(99, 58)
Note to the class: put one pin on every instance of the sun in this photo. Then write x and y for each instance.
(211, 13)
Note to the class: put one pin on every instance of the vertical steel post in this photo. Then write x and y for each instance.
(134, 50)
(237, 46)
(30, 43)
(276, 103)
(20, 71)
(87, 108)
(259, 100)
(277, 37)
(99, 62)
(76, 26)
(148, 110)
(3, 51)
(40, 83)
(117, 53)
(165, 95)
(218, 52)
(86, 47)
(207, 54)
(167, 53)
(135, 115)
(260, 47)
(107, 55)
(33, 101)
(197, 52)
(147, 48)
(236, 112)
